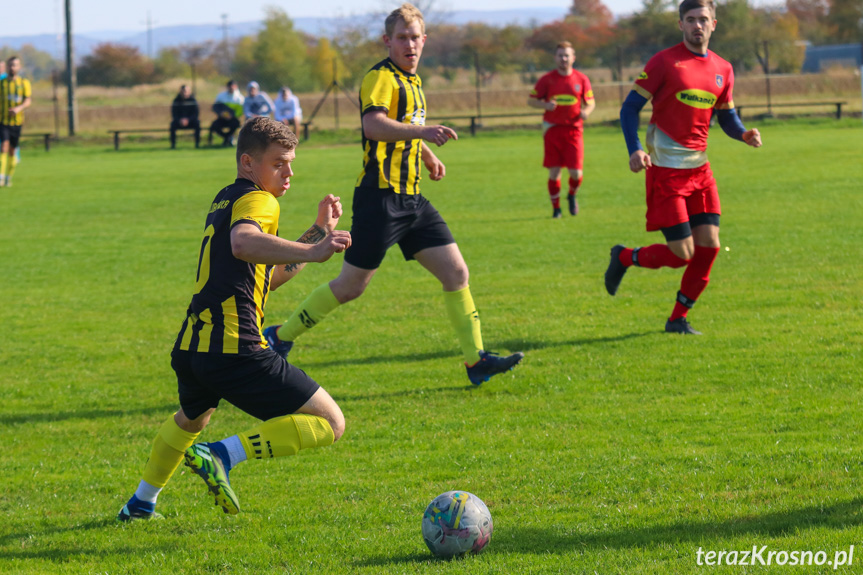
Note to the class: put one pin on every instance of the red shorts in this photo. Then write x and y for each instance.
(564, 147)
(673, 195)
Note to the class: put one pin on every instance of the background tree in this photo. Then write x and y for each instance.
(845, 20)
(811, 19)
(115, 65)
(281, 54)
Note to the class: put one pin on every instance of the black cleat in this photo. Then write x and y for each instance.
(681, 326)
(490, 364)
(616, 270)
(556, 213)
(573, 205)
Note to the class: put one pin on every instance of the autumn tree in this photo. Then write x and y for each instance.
(115, 65)
(281, 54)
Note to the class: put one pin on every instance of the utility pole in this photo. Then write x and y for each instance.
(767, 76)
(149, 36)
(226, 47)
(71, 75)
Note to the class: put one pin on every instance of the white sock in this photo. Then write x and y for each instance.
(235, 449)
(147, 492)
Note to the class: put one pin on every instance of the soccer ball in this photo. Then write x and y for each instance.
(455, 523)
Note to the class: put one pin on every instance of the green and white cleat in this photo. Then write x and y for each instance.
(208, 466)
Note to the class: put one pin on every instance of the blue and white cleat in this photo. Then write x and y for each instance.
(283, 348)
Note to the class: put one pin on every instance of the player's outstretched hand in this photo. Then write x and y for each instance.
(639, 160)
(439, 135)
(335, 243)
(329, 212)
(752, 137)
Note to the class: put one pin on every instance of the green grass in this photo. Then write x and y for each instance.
(614, 448)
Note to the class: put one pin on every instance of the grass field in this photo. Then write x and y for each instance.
(614, 448)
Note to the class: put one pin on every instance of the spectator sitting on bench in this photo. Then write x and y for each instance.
(228, 108)
(288, 110)
(184, 111)
(257, 103)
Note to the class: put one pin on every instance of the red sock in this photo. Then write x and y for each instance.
(655, 257)
(695, 280)
(574, 185)
(554, 193)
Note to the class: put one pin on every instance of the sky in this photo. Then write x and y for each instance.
(32, 17)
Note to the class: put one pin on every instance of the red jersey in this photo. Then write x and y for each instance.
(685, 88)
(568, 91)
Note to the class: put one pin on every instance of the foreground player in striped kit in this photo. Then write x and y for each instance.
(220, 352)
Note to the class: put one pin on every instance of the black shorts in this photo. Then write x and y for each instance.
(382, 218)
(11, 134)
(263, 384)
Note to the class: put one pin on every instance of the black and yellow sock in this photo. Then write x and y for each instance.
(286, 435)
(316, 307)
(465, 320)
(167, 452)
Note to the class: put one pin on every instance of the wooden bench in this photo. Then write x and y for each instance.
(143, 131)
(46, 137)
(739, 107)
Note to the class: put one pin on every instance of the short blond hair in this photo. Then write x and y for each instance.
(564, 44)
(258, 133)
(407, 13)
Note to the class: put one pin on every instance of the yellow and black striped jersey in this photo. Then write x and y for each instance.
(13, 92)
(392, 165)
(227, 310)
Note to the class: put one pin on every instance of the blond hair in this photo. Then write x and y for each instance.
(407, 13)
(258, 133)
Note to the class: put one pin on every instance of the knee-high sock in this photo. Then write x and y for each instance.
(286, 435)
(4, 158)
(554, 193)
(695, 280)
(574, 185)
(316, 307)
(167, 452)
(652, 257)
(10, 167)
(465, 320)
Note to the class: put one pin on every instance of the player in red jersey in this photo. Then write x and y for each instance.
(567, 98)
(687, 83)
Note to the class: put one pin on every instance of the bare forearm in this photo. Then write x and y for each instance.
(383, 129)
(313, 235)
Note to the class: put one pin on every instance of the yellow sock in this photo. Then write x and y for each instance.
(465, 319)
(3, 159)
(167, 453)
(316, 307)
(10, 166)
(286, 435)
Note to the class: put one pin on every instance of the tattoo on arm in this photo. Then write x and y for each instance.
(313, 235)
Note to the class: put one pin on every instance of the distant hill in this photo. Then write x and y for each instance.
(167, 36)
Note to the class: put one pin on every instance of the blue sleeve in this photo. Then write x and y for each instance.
(629, 120)
(730, 123)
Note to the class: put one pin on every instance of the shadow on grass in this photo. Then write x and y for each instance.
(554, 540)
(514, 345)
(47, 417)
(839, 515)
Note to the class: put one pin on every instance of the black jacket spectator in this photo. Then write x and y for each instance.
(184, 111)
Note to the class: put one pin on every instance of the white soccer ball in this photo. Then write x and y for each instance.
(455, 523)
